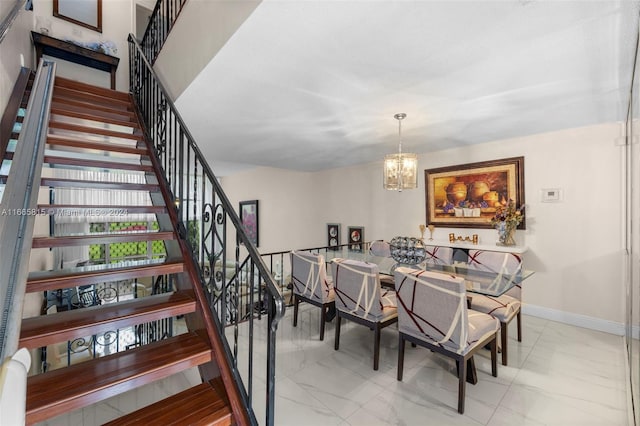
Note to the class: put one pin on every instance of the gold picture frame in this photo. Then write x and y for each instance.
(467, 195)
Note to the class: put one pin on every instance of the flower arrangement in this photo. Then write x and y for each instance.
(506, 220)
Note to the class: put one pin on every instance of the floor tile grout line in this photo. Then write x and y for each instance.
(513, 379)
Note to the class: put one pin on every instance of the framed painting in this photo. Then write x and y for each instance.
(87, 13)
(333, 235)
(356, 238)
(467, 195)
(249, 219)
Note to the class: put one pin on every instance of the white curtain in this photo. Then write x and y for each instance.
(99, 197)
(79, 224)
(69, 257)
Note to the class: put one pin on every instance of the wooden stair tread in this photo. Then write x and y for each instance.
(94, 130)
(58, 110)
(96, 99)
(79, 385)
(68, 161)
(51, 280)
(83, 240)
(95, 184)
(111, 147)
(45, 330)
(198, 405)
(102, 91)
(89, 106)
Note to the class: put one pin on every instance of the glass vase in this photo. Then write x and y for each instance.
(506, 235)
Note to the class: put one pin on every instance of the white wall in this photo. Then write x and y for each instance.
(288, 212)
(205, 24)
(575, 246)
(15, 50)
(117, 23)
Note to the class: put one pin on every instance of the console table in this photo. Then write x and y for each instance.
(469, 246)
(56, 48)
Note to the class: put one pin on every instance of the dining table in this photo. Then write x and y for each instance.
(476, 281)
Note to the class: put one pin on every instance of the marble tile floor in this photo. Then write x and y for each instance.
(558, 375)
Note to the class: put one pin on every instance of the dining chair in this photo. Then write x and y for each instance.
(504, 307)
(380, 248)
(359, 298)
(433, 313)
(311, 285)
(438, 255)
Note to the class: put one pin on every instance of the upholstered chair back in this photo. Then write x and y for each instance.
(433, 307)
(380, 248)
(309, 276)
(358, 292)
(437, 255)
(507, 266)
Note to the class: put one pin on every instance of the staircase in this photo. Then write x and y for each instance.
(95, 129)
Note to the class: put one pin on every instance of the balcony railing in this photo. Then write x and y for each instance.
(160, 24)
(219, 246)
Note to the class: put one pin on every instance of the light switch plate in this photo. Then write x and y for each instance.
(551, 195)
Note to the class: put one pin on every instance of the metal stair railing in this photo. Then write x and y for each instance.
(161, 21)
(213, 232)
(19, 208)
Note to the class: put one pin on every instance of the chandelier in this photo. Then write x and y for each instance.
(401, 169)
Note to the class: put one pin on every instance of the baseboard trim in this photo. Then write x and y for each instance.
(579, 320)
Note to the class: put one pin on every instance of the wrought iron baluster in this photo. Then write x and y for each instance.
(204, 213)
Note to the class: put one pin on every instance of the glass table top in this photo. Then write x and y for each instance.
(476, 281)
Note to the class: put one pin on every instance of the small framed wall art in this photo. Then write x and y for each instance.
(333, 235)
(249, 219)
(356, 238)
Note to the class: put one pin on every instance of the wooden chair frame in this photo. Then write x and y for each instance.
(324, 307)
(462, 360)
(376, 326)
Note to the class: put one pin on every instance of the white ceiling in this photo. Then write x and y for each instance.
(313, 85)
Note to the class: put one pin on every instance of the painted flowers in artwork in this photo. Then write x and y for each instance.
(249, 217)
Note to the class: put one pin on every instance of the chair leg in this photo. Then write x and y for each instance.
(336, 345)
(472, 373)
(400, 357)
(323, 319)
(376, 347)
(494, 357)
(462, 380)
(519, 319)
(503, 340)
(295, 310)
